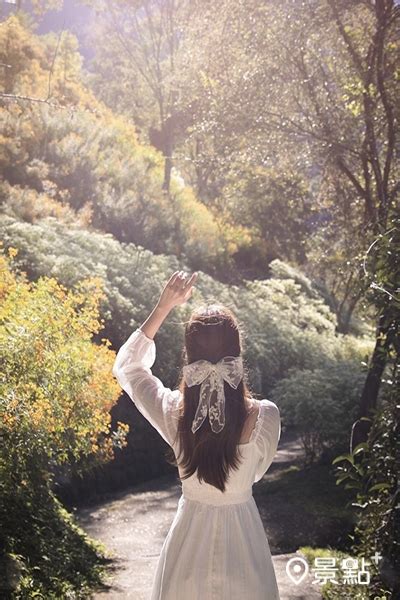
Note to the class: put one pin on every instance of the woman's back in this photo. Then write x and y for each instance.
(260, 437)
(216, 546)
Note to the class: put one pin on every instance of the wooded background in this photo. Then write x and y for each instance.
(255, 142)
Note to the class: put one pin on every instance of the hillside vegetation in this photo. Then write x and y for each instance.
(270, 168)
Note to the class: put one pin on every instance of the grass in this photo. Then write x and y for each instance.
(313, 489)
(303, 506)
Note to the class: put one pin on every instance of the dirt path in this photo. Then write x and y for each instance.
(134, 524)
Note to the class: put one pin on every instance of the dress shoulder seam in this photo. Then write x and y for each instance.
(257, 427)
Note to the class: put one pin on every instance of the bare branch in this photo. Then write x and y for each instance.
(54, 60)
(45, 101)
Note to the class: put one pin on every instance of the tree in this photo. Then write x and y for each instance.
(145, 39)
(319, 80)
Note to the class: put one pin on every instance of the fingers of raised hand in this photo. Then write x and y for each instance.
(180, 279)
(187, 281)
(177, 289)
(190, 281)
(181, 284)
(174, 278)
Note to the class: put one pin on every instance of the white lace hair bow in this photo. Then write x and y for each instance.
(211, 377)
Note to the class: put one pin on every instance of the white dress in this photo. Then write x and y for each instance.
(216, 548)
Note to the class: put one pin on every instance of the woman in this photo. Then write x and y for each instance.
(223, 441)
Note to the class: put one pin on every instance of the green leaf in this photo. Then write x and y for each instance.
(360, 447)
(348, 457)
(380, 486)
(342, 478)
(353, 485)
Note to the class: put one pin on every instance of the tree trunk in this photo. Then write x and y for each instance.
(167, 172)
(168, 148)
(369, 396)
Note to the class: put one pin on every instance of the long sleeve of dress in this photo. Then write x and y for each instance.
(267, 437)
(132, 369)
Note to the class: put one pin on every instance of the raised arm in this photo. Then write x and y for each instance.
(132, 366)
(132, 369)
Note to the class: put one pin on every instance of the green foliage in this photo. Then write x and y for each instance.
(308, 89)
(382, 268)
(372, 470)
(321, 404)
(274, 204)
(56, 390)
(286, 326)
(46, 555)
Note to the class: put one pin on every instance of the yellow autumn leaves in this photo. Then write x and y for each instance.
(56, 385)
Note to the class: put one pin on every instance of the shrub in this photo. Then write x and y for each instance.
(287, 328)
(322, 405)
(56, 390)
(373, 471)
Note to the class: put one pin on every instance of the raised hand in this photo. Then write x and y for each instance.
(177, 290)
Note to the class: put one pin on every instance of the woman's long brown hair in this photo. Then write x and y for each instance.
(211, 333)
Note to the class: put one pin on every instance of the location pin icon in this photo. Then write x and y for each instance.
(297, 569)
